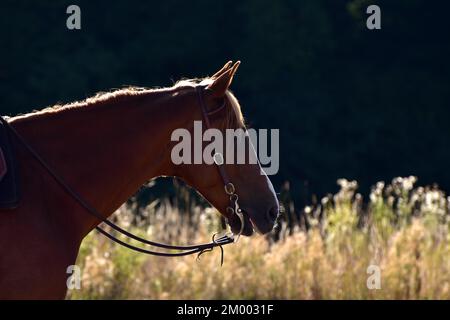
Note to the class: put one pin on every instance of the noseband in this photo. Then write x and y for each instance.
(199, 249)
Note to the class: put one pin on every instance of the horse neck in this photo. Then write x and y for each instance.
(106, 152)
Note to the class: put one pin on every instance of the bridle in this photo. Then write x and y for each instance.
(199, 249)
(230, 190)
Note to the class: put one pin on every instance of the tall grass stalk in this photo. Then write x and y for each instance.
(402, 229)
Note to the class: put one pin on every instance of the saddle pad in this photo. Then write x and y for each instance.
(3, 168)
(9, 191)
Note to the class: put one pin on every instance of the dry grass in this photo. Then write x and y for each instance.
(402, 229)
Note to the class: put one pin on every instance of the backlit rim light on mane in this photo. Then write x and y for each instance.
(233, 119)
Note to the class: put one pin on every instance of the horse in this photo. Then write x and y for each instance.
(106, 147)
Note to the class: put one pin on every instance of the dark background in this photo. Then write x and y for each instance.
(349, 102)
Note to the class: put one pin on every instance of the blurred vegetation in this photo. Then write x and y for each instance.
(403, 229)
(367, 105)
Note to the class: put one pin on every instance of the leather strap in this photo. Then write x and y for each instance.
(220, 167)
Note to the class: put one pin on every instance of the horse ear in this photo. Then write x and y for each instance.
(235, 67)
(221, 71)
(223, 82)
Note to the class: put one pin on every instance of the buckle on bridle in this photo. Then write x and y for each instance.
(234, 208)
(218, 159)
(229, 189)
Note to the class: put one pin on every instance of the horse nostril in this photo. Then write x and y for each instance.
(272, 214)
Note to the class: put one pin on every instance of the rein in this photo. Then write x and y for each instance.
(184, 250)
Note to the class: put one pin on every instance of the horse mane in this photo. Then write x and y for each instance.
(233, 118)
(102, 97)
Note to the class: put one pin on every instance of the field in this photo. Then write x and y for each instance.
(401, 230)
